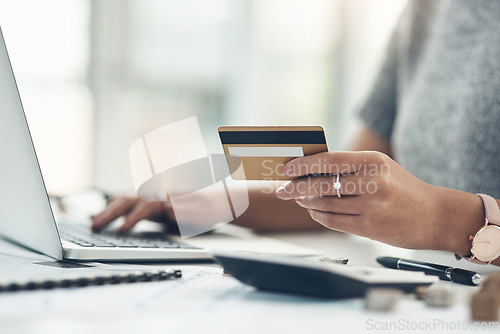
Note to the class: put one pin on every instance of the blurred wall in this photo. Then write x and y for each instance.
(96, 74)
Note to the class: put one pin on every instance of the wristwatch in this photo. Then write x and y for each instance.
(486, 242)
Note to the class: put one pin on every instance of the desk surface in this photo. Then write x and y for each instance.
(204, 301)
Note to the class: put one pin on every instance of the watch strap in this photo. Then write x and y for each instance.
(491, 210)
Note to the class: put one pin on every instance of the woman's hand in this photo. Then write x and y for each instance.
(196, 212)
(134, 210)
(382, 201)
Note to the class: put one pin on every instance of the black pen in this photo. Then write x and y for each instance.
(445, 273)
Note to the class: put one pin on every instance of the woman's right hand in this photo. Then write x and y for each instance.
(134, 210)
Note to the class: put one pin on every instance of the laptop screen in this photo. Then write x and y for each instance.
(25, 214)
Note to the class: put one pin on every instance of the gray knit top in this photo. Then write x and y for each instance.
(437, 96)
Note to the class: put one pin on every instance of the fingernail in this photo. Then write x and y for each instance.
(280, 192)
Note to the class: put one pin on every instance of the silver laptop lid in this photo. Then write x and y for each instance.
(25, 213)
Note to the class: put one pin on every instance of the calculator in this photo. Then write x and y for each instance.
(307, 277)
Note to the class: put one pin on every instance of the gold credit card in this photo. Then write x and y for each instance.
(263, 150)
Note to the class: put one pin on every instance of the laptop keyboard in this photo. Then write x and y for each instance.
(83, 236)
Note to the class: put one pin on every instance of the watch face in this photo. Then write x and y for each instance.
(486, 244)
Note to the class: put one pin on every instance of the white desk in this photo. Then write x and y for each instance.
(223, 305)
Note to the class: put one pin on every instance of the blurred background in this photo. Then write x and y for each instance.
(94, 75)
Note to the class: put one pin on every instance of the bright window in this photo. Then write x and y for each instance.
(96, 74)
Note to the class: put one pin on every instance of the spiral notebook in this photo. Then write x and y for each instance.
(40, 272)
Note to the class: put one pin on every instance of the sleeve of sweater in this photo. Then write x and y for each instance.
(378, 111)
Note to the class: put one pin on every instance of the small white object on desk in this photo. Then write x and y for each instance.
(438, 297)
(382, 299)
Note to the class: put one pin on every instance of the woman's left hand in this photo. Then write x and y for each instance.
(382, 201)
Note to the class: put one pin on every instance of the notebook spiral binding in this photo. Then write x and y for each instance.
(100, 279)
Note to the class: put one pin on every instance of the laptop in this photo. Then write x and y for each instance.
(27, 219)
